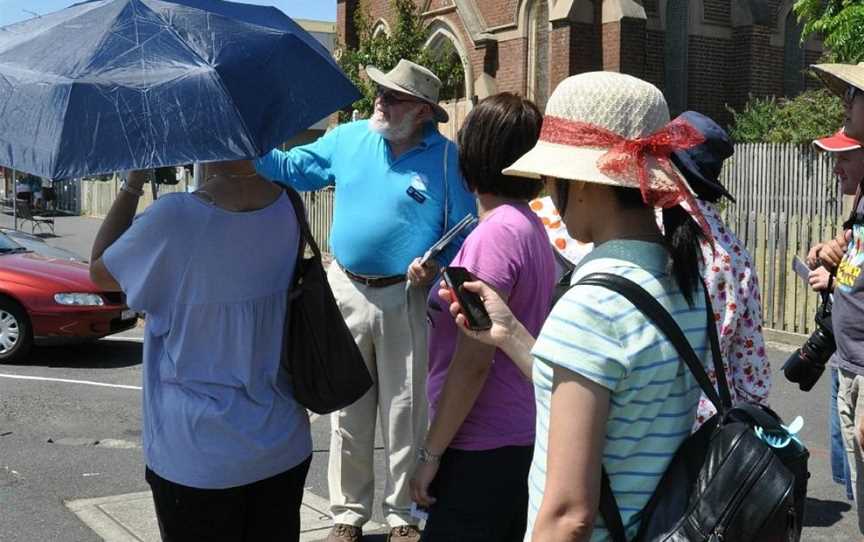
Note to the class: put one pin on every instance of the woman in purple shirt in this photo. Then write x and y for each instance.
(472, 471)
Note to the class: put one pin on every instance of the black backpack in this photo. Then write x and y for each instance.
(724, 482)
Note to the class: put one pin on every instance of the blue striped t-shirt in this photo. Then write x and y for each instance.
(600, 335)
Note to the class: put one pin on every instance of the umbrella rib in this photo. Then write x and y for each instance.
(213, 68)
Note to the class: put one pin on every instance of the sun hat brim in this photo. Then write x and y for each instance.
(838, 77)
(694, 175)
(580, 164)
(380, 78)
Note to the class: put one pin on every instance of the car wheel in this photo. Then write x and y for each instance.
(16, 336)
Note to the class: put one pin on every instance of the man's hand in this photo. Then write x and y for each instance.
(421, 275)
(832, 251)
(818, 279)
(812, 259)
(424, 473)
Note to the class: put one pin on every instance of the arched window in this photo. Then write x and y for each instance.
(447, 65)
(675, 55)
(381, 29)
(538, 53)
(793, 57)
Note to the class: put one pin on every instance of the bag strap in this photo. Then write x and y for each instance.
(305, 233)
(654, 311)
(609, 509)
(716, 355)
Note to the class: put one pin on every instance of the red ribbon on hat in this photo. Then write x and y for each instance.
(629, 157)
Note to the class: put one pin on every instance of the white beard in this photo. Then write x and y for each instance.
(394, 132)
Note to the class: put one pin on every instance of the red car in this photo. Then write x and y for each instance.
(48, 301)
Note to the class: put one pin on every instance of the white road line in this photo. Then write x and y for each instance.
(68, 381)
(123, 339)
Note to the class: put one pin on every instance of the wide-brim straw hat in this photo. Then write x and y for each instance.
(412, 78)
(838, 77)
(624, 105)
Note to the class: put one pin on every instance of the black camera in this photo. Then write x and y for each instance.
(805, 366)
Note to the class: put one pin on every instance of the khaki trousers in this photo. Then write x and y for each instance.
(850, 407)
(389, 325)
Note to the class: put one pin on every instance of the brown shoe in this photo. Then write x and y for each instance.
(404, 533)
(344, 533)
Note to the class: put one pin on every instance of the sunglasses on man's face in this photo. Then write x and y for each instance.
(851, 93)
(389, 97)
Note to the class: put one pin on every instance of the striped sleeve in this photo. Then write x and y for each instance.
(581, 337)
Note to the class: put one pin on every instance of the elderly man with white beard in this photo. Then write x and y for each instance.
(398, 189)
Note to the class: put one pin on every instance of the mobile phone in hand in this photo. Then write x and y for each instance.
(472, 306)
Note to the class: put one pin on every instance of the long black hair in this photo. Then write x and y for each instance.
(682, 235)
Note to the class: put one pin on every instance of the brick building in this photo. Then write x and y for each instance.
(703, 54)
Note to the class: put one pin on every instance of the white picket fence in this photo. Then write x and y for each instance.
(787, 199)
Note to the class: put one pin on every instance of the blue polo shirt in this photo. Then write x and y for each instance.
(387, 211)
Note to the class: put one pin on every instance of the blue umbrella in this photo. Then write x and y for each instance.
(110, 85)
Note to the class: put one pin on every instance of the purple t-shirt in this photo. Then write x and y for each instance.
(509, 250)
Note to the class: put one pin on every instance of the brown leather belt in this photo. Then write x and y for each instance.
(374, 282)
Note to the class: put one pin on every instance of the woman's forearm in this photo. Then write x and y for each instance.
(119, 217)
(465, 379)
(518, 348)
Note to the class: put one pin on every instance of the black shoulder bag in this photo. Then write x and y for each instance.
(318, 351)
(724, 483)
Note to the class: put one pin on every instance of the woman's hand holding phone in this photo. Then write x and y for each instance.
(503, 323)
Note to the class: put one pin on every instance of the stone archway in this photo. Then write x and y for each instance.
(457, 101)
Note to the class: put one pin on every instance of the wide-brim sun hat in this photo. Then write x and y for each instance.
(613, 129)
(838, 77)
(412, 78)
(839, 142)
(701, 165)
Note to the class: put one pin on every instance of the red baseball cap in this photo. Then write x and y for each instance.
(838, 142)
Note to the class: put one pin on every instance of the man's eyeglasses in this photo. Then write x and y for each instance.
(851, 92)
(389, 97)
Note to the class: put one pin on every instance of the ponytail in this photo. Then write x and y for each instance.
(683, 235)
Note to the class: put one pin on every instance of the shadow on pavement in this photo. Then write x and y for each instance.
(821, 513)
(113, 354)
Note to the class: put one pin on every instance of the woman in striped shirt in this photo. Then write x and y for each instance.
(610, 389)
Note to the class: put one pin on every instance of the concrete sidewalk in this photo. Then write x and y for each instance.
(131, 517)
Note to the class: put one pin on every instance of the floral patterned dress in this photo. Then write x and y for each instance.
(734, 288)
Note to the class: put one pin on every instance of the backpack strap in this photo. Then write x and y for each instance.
(609, 509)
(654, 311)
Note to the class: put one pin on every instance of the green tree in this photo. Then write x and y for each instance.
(813, 114)
(408, 36)
(840, 24)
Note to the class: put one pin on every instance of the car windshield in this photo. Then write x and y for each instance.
(7, 245)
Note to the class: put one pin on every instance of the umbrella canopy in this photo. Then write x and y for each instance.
(110, 85)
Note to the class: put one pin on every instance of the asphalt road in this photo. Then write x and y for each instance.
(63, 437)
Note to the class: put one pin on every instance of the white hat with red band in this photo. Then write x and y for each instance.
(610, 128)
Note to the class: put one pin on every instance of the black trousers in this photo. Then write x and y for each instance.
(265, 510)
(481, 496)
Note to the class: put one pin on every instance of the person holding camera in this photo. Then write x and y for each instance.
(845, 256)
(849, 169)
